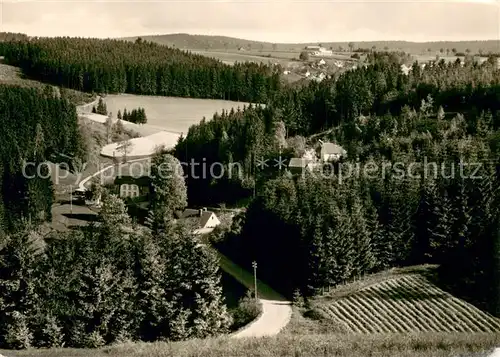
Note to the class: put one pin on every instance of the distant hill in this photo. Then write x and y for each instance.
(205, 42)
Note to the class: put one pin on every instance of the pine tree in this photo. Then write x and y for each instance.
(153, 304)
(169, 191)
(109, 128)
(19, 301)
(440, 239)
(364, 259)
(116, 222)
(193, 273)
(101, 107)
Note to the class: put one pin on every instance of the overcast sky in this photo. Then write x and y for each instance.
(272, 21)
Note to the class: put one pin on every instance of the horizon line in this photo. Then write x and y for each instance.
(259, 41)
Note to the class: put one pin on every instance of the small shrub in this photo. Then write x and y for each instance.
(304, 56)
(298, 300)
(50, 334)
(94, 340)
(248, 310)
(313, 314)
(18, 334)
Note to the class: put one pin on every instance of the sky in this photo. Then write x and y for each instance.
(279, 21)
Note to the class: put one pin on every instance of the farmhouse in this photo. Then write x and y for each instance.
(331, 152)
(201, 220)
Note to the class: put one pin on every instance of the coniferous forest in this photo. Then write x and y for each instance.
(113, 66)
(319, 232)
(36, 126)
(117, 281)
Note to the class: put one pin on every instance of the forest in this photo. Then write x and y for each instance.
(37, 125)
(114, 66)
(113, 281)
(321, 231)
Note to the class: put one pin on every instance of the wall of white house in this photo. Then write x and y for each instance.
(129, 190)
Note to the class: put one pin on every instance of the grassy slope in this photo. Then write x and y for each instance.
(202, 42)
(319, 337)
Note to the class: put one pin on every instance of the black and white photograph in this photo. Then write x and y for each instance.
(249, 178)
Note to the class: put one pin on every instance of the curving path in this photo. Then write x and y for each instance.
(276, 310)
(82, 184)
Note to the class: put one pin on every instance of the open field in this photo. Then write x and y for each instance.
(169, 113)
(284, 58)
(141, 147)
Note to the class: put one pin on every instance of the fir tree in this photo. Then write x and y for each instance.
(169, 190)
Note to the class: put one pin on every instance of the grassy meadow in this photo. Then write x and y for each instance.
(169, 113)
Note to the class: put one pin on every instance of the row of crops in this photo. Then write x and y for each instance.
(408, 304)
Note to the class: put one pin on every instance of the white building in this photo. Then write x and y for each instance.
(319, 51)
(201, 220)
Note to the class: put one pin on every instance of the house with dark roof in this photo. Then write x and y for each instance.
(200, 220)
(298, 165)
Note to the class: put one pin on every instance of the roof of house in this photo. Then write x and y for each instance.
(189, 214)
(331, 148)
(298, 162)
(139, 181)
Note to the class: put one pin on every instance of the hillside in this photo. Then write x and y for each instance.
(383, 294)
(204, 42)
(10, 75)
(402, 302)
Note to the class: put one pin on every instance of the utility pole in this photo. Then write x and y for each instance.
(71, 199)
(254, 266)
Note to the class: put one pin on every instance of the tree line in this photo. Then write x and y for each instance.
(137, 116)
(114, 66)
